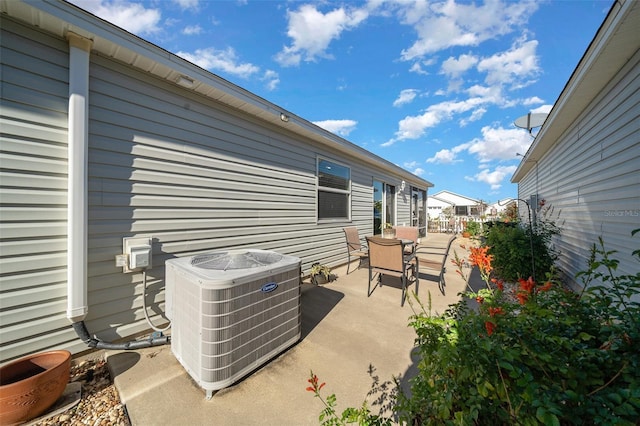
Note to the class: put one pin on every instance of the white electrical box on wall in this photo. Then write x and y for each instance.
(138, 253)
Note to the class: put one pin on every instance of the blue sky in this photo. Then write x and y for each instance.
(432, 86)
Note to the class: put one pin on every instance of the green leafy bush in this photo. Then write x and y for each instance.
(473, 228)
(539, 355)
(521, 251)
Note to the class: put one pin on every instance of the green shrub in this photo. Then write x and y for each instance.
(547, 356)
(521, 251)
(474, 228)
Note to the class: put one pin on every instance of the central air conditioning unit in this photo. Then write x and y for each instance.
(231, 312)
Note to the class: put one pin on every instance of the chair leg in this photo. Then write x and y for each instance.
(348, 261)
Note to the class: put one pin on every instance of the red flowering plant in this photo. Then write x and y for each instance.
(479, 258)
(529, 352)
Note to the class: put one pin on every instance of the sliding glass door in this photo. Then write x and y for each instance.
(384, 205)
(378, 192)
(419, 210)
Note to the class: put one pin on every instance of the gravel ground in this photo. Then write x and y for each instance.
(100, 403)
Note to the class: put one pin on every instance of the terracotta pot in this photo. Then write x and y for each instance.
(32, 384)
(466, 234)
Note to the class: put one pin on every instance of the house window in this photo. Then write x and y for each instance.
(461, 211)
(334, 191)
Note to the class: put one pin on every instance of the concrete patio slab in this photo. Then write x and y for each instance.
(348, 339)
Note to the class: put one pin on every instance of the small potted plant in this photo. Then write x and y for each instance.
(321, 274)
(388, 231)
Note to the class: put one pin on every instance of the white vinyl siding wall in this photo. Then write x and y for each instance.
(163, 162)
(592, 176)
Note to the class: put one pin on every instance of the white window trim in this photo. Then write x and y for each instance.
(348, 192)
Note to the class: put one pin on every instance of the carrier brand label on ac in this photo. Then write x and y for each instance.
(269, 287)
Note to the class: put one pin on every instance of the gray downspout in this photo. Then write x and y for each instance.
(77, 216)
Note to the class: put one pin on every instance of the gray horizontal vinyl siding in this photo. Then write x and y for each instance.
(196, 177)
(33, 192)
(163, 162)
(592, 176)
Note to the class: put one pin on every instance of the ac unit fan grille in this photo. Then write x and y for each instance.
(224, 261)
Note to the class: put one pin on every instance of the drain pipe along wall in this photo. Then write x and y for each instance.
(79, 48)
(77, 216)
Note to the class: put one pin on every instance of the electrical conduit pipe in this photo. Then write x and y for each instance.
(77, 216)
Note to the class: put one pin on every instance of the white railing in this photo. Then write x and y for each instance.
(453, 226)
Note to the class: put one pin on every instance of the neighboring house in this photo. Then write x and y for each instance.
(435, 207)
(494, 210)
(107, 136)
(462, 206)
(585, 160)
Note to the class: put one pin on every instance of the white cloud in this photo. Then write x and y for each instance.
(496, 144)
(545, 109)
(412, 166)
(499, 144)
(192, 30)
(418, 171)
(495, 177)
(453, 67)
(513, 66)
(272, 79)
(312, 31)
(532, 101)
(339, 127)
(446, 24)
(220, 60)
(413, 127)
(131, 16)
(476, 115)
(444, 156)
(187, 4)
(448, 156)
(417, 68)
(406, 96)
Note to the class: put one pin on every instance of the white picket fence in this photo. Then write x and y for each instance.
(452, 226)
